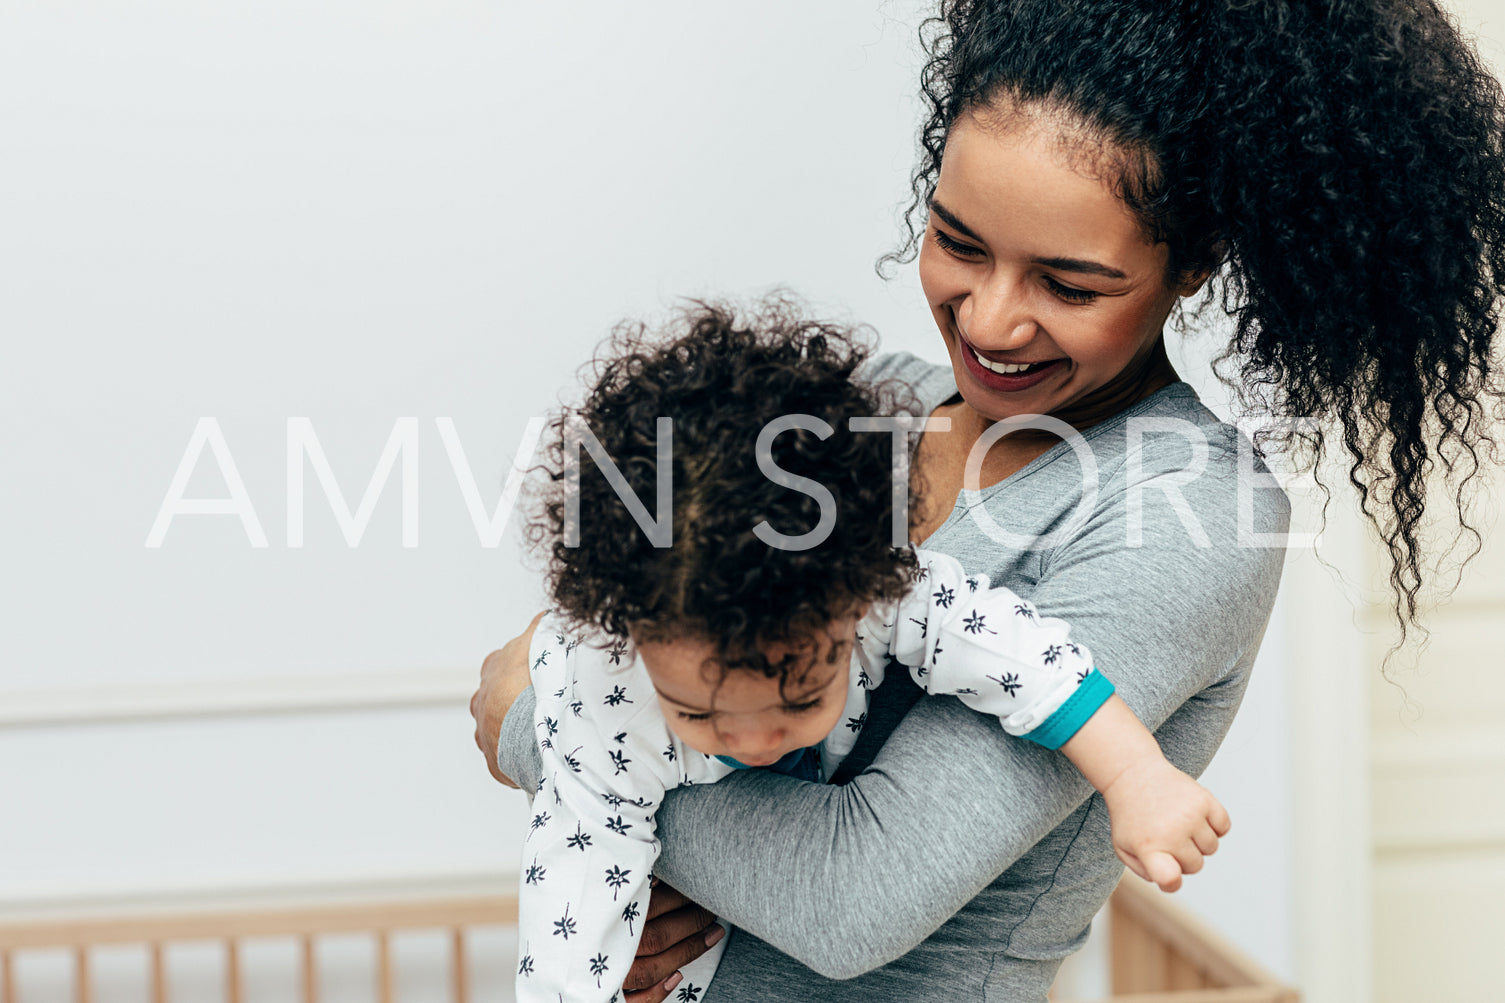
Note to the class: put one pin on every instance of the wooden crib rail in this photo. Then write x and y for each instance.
(305, 923)
(1161, 954)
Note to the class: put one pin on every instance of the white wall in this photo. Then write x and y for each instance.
(357, 212)
(352, 212)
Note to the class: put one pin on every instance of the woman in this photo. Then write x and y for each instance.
(1338, 166)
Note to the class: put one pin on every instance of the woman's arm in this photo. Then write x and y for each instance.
(845, 879)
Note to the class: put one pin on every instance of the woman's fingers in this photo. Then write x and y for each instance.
(504, 674)
(665, 898)
(488, 721)
(657, 993)
(653, 968)
(675, 933)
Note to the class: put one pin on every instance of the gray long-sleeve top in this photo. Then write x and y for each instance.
(949, 861)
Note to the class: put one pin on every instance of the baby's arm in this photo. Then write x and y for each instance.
(1164, 822)
(993, 651)
(590, 847)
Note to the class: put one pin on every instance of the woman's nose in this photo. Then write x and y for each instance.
(996, 315)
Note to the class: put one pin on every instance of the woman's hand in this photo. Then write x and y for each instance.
(1164, 822)
(504, 674)
(676, 932)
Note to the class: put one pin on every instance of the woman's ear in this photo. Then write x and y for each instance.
(1193, 282)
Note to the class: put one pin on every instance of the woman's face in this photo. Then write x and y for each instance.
(1047, 294)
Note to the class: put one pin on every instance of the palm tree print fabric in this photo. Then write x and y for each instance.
(609, 757)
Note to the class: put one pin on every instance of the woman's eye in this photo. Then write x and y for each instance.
(694, 717)
(1070, 293)
(953, 246)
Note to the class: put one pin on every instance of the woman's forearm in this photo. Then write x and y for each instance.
(845, 879)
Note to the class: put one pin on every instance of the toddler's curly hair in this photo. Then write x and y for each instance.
(721, 377)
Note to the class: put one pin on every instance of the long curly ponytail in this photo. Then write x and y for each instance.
(1340, 162)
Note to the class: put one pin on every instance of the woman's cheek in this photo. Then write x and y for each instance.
(939, 277)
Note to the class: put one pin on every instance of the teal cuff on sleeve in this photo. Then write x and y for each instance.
(1090, 694)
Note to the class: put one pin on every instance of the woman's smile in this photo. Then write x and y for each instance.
(1009, 377)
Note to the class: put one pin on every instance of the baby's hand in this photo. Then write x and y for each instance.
(1164, 822)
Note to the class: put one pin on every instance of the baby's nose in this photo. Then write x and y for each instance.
(751, 738)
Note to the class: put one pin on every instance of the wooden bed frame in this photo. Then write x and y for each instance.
(1159, 953)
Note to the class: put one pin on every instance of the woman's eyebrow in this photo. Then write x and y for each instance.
(952, 220)
(1079, 265)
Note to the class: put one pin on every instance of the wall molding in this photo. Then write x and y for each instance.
(284, 893)
(77, 705)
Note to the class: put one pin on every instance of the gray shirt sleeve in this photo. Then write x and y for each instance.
(517, 753)
(812, 869)
(847, 878)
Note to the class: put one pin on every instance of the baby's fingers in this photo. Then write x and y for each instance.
(1132, 863)
(1206, 839)
(1165, 869)
(1218, 818)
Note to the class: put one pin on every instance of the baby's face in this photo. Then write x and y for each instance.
(743, 714)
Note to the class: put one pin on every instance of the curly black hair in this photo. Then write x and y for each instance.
(721, 378)
(1338, 164)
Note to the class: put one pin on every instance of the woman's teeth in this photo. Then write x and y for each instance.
(1002, 368)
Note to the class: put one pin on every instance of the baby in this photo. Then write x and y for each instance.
(744, 623)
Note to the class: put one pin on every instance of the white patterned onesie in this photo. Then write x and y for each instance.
(608, 757)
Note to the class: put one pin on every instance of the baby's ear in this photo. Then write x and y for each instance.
(857, 611)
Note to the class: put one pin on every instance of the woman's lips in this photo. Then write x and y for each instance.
(1006, 382)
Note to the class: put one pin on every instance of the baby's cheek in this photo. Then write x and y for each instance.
(829, 720)
(696, 734)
